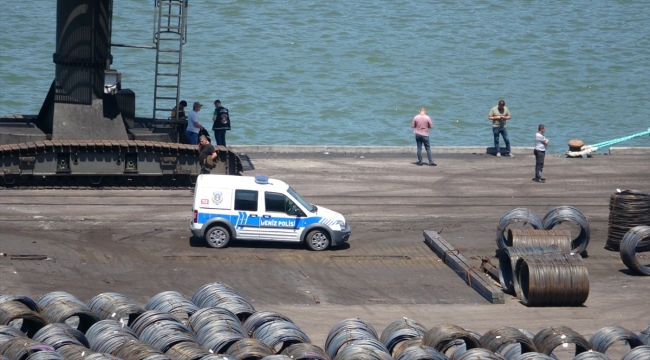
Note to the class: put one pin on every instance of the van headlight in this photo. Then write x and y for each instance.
(341, 224)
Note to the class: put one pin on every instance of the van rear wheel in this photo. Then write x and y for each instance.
(318, 240)
(217, 237)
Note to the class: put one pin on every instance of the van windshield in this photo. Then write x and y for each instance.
(302, 201)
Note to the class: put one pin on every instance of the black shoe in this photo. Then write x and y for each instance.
(418, 163)
(543, 179)
(539, 180)
(433, 164)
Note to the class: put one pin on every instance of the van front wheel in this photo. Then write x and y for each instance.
(318, 240)
(217, 237)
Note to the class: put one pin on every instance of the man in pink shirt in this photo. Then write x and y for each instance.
(422, 123)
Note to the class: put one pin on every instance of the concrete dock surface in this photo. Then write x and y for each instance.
(138, 242)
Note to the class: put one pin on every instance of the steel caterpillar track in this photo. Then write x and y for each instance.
(105, 164)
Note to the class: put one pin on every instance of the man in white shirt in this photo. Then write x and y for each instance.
(540, 151)
(193, 126)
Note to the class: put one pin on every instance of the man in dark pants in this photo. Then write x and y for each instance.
(220, 123)
(207, 154)
(421, 124)
(540, 151)
(499, 115)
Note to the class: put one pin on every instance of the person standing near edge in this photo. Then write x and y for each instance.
(193, 126)
(422, 123)
(220, 123)
(498, 115)
(206, 151)
(540, 152)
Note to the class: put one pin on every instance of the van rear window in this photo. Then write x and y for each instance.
(246, 200)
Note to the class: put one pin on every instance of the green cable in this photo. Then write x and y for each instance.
(616, 141)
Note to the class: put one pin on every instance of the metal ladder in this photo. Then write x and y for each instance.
(170, 29)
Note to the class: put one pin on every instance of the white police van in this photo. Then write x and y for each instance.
(230, 207)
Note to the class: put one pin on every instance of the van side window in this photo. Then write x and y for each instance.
(246, 200)
(279, 203)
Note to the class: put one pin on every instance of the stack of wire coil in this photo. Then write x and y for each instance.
(115, 306)
(22, 348)
(350, 337)
(508, 258)
(60, 306)
(602, 339)
(501, 339)
(172, 302)
(76, 352)
(9, 332)
(399, 331)
(250, 349)
(164, 334)
(106, 336)
(636, 240)
(591, 355)
(546, 340)
(221, 295)
(638, 353)
(528, 217)
(627, 209)
(281, 332)
(445, 336)
(260, 318)
(187, 350)
(136, 350)
(304, 351)
(61, 334)
(562, 214)
(477, 354)
(412, 342)
(644, 335)
(216, 329)
(13, 310)
(419, 352)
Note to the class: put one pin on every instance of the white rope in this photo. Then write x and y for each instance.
(585, 150)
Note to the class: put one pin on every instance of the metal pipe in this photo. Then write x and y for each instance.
(637, 239)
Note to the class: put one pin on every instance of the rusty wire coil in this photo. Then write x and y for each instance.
(27, 301)
(22, 347)
(420, 352)
(137, 350)
(528, 217)
(416, 341)
(627, 209)
(60, 306)
(637, 239)
(249, 349)
(15, 311)
(496, 340)
(548, 339)
(371, 349)
(115, 306)
(106, 335)
(281, 332)
(304, 351)
(60, 334)
(638, 353)
(477, 354)
(568, 213)
(399, 331)
(443, 337)
(644, 335)
(536, 237)
(591, 355)
(551, 280)
(172, 302)
(187, 350)
(508, 258)
(9, 332)
(260, 318)
(150, 317)
(602, 339)
(164, 334)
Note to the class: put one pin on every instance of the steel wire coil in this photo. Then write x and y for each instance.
(20, 348)
(478, 354)
(27, 301)
(12, 312)
(497, 339)
(568, 213)
(260, 318)
(164, 334)
(627, 209)
(60, 306)
(546, 340)
(172, 302)
(187, 350)
(75, 352)
(637, 239)
(354, 328)
(205, 293)
(532, 356)
(281, 332)
(218, 340)
(508, 261)
(399, 331)
(443, 336)
(416, 341)
(459, 344)
(363, 349)
(535, 238)
(218, 357)
(106, 335)
(61, 334)
(46, 355)
(137, 350)
(344, 336)
(602, 339)
(249, 349)
(150, 317)
(638, 353)
(305, 351)
(591, 355)
(216, 318)
(277, 357)
(115, 306)
(528, 217)
(551, 280)
(644, 335)
(9, 332)
(420, 352)
(237, 304)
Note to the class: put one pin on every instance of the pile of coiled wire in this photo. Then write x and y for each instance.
(12, 310)
(627, 209)
(59, 306)
(644, 335)
(499, 339)
(478, 354)
(638, 353)
(280, 332)
(149, 318)
(420, 352)
(528, 217)
(22, 347)
(562, 214)
(9, 332)
(602, 339)
(260, 318)
(164, 334)
(115, 306)
(508, 258)
(548, 339)
(249, 349)
(216, 328)
(25, 300)
(636, 240)
(535, 238)
(76, 352)
(444, 337)
(304, 351)
(172, 302)
(136, 350)
(221, 295)
(349, 330)
(591, 355)
(551, 279)
(370, 349)
(61, 334)
(187, 350)
(106, 335)
(400, 331)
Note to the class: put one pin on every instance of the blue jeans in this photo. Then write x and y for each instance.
(220, 136)
(503, 133)
(192, 137)
(423, 140)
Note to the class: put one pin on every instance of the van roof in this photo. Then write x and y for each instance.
(235, 181)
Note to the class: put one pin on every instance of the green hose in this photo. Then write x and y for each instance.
(616, 141)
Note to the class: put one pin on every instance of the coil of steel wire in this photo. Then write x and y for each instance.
(46, 355)
(354, 327)
(508, 258)
(164, 334)
(644, 335)
(172, 302)
(444, 336)
(636, 240)
(497, 339)
(76, 352)
(260, 318)
(205, 316)
(59, 306)
(416, 341)
(420, 352)
(203, 296)
(568, 213)
(187, 350)
(363, 349)
(627, 209)
(22, 347)
(150, 317)
(591, 355)
(532, 356)
(638, 353)
(115, 306)
(304, 351)
(602, 339)
(106, 335)
(277, 357)
(478, 354)
(218, 338)
(61, 334)
(14, 311)
(546, 340)
(237, 304)
(136, 350)
(27, 301)
(249, 349)
(399, 331)
(9, 332)
(459, 345)
(218, 357)
(535, 238)
(551, 280)
(528, 217)
(280, 332)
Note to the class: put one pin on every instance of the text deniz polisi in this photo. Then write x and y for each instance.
(278, 223)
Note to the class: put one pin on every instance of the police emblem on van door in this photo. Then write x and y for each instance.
(217, 197)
